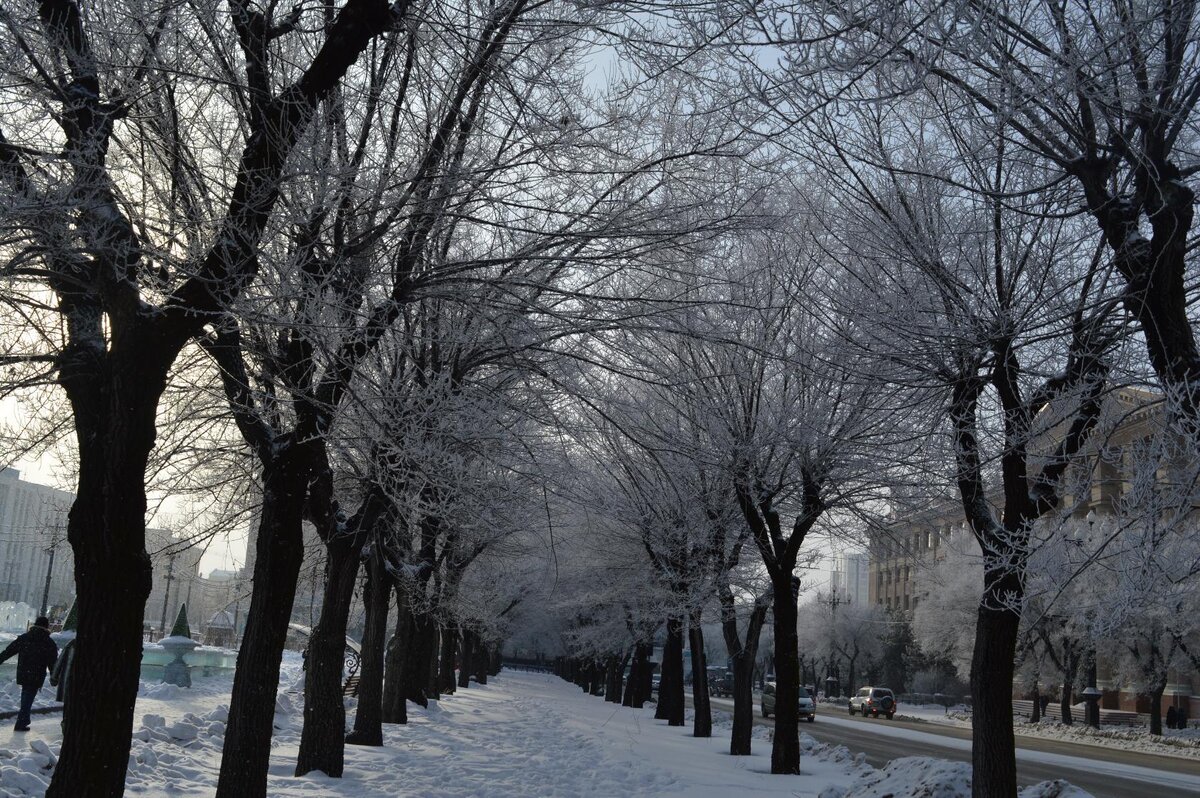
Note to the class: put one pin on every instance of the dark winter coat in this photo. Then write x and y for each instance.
(36, 654)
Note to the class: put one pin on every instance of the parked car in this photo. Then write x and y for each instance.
(873, 701)
(808, 707)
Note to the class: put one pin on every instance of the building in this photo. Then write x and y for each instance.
(35, 558)
(1095, 484)
(850, 576)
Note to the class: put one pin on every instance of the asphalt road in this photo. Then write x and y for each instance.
(1104, 772)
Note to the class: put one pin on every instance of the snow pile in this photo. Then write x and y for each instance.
(10, 697)
(1176, 742)
(28, 772)
(923, 777)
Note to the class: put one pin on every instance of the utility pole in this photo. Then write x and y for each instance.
(54, 540)
(46, 587)
(835, 600)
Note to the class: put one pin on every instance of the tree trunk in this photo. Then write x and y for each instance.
(993, 750)
(646, 687)
(1070, 671)
(368, 717)
(449, 654)
(468, 652)
(415, 674)
(480, 657)
(743, 705)
(598, 677)
(785, 752)
(633, 688)
(612, 679)
(322, 740)
(671, 689)
(743, 655)
(114, 406)
(1156, 694)
(433, 687)
(279, 551)
(702, 722)
(1036, 715)
(395, 707)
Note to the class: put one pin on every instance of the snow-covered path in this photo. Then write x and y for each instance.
(522, 735)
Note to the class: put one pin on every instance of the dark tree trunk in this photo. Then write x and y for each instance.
(743, 655)
(612, 679)
(599, 675)
(322, 740)
(993, 755)
(468, 653)
(646, 688)
(702, 722)
(433, 686)
(415, 675)
(743, 705)
(634, 697)
(1036, 715)
(785, 752)
(671, 689)
(106, 529)
(368, 717)
(279, 551)
(449, 655)
(481, 661)
(1070, 663)
(395, 707)
(1156, 695)
(496, 661)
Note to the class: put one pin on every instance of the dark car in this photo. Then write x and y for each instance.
(807, 707)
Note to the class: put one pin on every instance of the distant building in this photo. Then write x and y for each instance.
(1096, 482)
(850, 577)
(33, 543)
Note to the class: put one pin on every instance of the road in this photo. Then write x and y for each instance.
(1104, 772)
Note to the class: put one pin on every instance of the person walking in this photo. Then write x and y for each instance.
(36, 654)
(1171, 716)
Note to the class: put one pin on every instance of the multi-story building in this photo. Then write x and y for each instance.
(35, 558)
(850, 576)
(1095, 485)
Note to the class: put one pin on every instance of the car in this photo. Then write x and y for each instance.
(873, 701)
(808, 707)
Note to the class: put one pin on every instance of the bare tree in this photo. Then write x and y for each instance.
(133, 278)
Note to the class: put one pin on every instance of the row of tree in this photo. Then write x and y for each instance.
(793, 269)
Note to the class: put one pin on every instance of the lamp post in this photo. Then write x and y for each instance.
(834, 601)
(162, 623)
(1091, 694)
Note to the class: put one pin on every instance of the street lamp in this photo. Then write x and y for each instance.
(1091, 694)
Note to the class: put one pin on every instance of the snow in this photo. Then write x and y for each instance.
(1100, 766)
(922, 777)
(522, 734)
(1184, 743)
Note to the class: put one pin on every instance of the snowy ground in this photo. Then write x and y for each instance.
(1173, 742)
(524, 734)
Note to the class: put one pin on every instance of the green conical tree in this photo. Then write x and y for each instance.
(181, 628)
(72, 621)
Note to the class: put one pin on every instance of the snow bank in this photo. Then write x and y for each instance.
(923, 777)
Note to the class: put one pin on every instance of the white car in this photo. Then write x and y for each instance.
(873, 701)
(807, 707)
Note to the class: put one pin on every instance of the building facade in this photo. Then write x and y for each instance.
(35, 559)
(850, 577)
